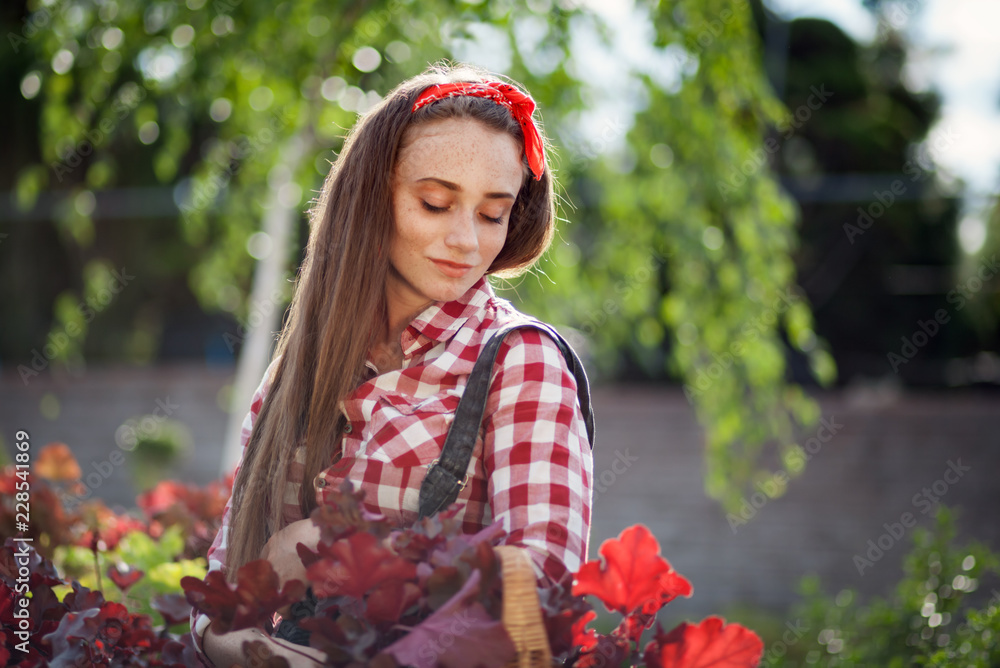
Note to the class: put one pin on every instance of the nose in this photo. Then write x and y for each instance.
(462, 233)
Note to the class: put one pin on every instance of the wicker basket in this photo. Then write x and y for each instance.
(522, 614)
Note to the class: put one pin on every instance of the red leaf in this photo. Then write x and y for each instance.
(173, 607)
(634, 576)
(107, 527)
(56, 462)
(459, 543)
(607, 651)
(41, 569)
(415, 546)
(250, 602)
(442, 584)
(390, 600)
(355, 565)
(562, 613)
(82, 598)
(124, 576)
(343, 513)
(632, 626)
(460, 634)
(583, 637)
(710, 644)
(180, 652)
(327, 636)
(162, 497)
(110, 629)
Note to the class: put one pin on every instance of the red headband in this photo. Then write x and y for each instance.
(520, 105)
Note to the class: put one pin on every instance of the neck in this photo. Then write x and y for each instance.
(387, 352)
(402, 306)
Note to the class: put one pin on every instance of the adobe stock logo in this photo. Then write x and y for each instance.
(770, 488)
(928, 329)
(751, 331)
(779, 648)
(758, 158)
(623, 462)
(926, 500)
(88, 310)
(917, 170)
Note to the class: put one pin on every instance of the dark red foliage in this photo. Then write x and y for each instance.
(416, 546)
(180, 652)
(356, 565)
(328, 636)
(388, 602)
(174, 608)
(460, 633)
(82, 598)
(606, 651)
(16, 555)
(124, 576)
(50, 524)
(61, 513)
(82, 630)
(566, 617)
(427, 595)
(250, 602)
(710, 644)
(345, 513)
(106, 528)
(198, 510)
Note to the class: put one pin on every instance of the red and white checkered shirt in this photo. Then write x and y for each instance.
(532, 465)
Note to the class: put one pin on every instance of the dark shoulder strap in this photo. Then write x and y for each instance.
(446, 476)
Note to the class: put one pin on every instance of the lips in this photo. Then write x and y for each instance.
(452, 269)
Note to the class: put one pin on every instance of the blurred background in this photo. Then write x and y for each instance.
(777, 251)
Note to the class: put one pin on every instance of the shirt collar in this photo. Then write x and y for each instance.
(441, 320)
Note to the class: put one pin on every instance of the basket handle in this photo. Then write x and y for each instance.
(522, 613)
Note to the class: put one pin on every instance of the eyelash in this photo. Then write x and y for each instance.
(439, 209)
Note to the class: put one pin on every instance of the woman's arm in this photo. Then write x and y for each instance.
(537, 457)
(281, 549)
(226, 649)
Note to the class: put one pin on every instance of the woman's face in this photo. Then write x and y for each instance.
(453, 190)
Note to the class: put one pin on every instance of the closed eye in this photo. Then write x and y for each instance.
(439, 209)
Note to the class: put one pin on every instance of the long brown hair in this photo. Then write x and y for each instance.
(330, 328)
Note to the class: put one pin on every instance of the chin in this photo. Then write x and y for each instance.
(450, 292)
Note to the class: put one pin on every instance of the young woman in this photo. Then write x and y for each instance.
(442, 183)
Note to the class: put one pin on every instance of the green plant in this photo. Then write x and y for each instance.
(928, 621)
(159, 560)
(156, 443)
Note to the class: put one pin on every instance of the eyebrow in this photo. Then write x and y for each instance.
(454, 186)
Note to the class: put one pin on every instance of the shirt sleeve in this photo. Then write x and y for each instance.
(538, 460)
(217, 552)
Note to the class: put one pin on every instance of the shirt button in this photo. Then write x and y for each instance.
(349, 428)
(321, 483)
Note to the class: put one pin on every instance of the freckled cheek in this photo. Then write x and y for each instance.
(493, 244)
(413, 228)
